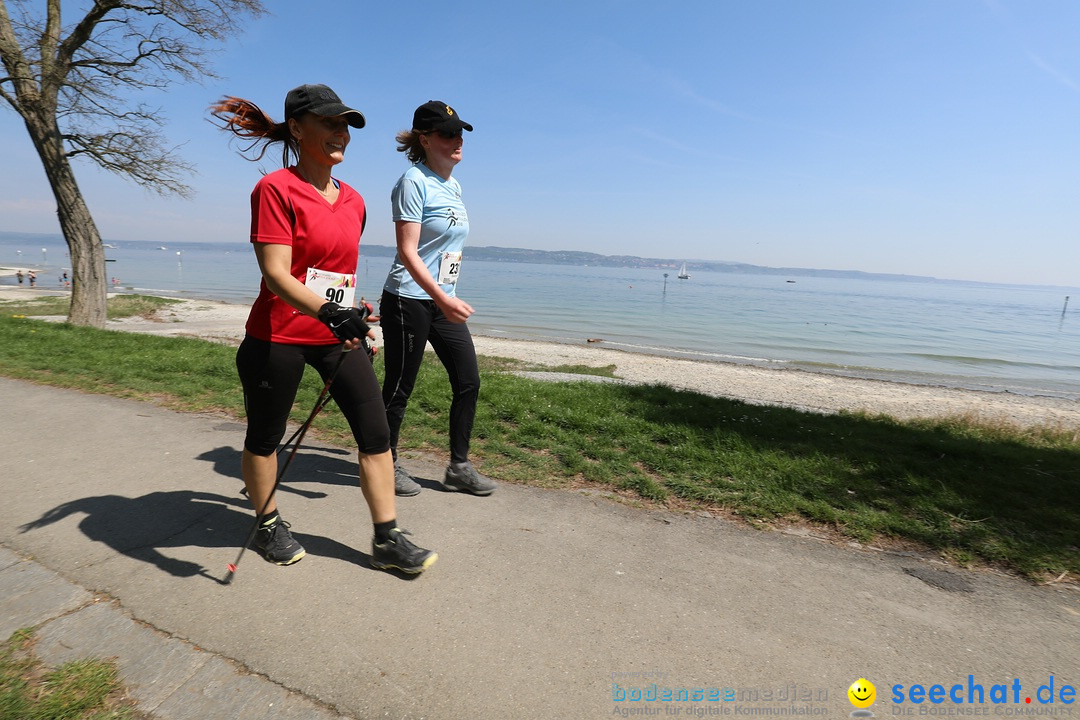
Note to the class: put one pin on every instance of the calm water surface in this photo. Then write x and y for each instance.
(983, 336)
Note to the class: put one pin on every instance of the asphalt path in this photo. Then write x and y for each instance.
(120, 518)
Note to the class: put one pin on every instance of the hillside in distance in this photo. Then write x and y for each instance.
(494, 253)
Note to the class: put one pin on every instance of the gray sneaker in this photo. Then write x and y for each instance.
(404, 485)
(462, 477)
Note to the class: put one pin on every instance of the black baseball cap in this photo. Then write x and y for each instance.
(437, 116)
(320, 100)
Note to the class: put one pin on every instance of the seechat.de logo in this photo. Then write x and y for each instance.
(976, 693)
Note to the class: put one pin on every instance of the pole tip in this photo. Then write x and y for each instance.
(229, 575)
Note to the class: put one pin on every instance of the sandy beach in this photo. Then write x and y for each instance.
(224, 322)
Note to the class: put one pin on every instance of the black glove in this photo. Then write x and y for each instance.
(345, 323)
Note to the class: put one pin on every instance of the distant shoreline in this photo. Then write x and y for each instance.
(818, 360)
(663, 346)
(800, 389)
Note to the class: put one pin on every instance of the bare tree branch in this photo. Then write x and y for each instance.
(71, 84)
(118, 44)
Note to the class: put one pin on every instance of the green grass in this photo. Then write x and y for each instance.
(976, 493)
(120, 306)
(86, 689)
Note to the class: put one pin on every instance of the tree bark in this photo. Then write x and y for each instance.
(88, 284)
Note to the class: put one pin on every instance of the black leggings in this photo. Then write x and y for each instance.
(407, 326)
(270, 374)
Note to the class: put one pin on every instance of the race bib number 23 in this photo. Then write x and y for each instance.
(449, 268)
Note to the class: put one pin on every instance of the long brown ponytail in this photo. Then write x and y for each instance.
(245, 119)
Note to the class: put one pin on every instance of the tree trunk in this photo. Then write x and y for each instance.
(88, 281)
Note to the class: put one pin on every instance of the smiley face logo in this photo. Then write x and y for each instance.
(862, 693)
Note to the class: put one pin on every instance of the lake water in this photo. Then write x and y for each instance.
(1015, 338)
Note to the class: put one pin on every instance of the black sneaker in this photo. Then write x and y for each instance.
(277, 544)
(399, 552)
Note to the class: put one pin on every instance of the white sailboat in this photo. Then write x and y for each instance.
(683, 275)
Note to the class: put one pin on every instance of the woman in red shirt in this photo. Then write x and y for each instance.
(305, 228)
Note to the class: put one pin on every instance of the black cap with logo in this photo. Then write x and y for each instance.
(437, 116)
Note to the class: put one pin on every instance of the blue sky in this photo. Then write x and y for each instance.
(928, 137)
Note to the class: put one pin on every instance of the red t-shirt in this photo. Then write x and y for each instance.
(287, 210)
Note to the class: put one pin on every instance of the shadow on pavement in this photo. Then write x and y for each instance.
(142, 528)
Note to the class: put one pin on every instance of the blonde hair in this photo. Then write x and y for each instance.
(409, 143)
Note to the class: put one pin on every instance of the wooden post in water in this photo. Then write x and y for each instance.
(1065, 306)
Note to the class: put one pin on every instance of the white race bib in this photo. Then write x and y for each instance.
(449, 268)
(335, 287)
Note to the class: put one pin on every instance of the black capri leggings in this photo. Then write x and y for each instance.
(270, 374)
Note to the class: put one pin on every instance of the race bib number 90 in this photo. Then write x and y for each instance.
(449, 268)
(334, 287)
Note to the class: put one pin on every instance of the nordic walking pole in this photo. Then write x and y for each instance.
(299, 435)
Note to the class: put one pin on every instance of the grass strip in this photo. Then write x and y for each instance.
(974, 492)
(87, 689)
(119, 306)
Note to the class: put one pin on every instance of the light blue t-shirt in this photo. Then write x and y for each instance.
(422, 196)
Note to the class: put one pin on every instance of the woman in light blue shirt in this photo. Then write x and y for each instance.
(419, 302)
